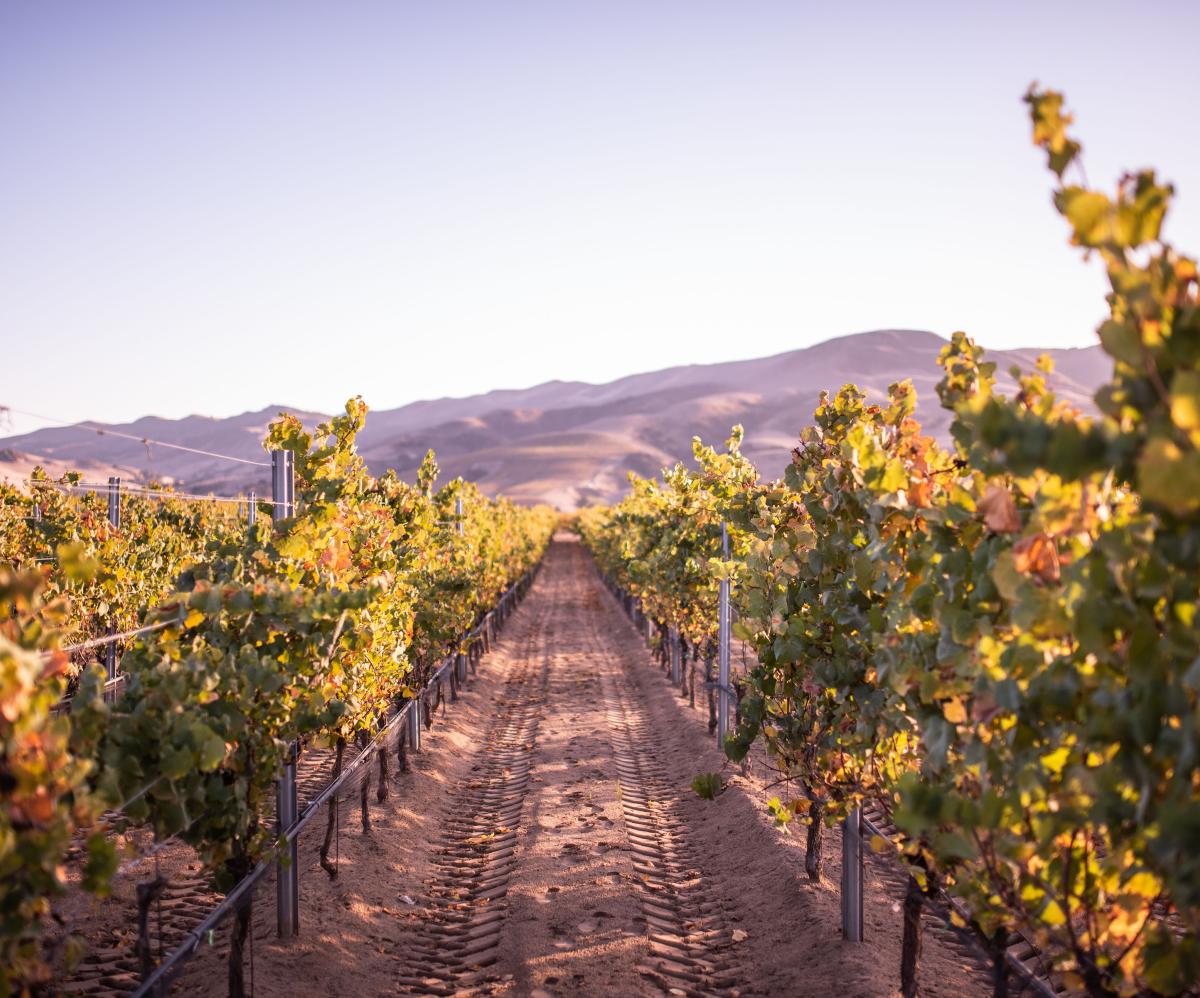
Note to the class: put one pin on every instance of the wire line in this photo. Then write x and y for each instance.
(87, 424)
(113, 638)
(141, 491)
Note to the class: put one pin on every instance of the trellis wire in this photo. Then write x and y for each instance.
(109, 639)
(142, 492)
(90, 426)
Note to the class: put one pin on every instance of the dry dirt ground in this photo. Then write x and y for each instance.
(546, 842)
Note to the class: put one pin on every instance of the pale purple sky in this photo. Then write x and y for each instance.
(208, 207)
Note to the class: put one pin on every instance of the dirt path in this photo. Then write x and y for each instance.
(563, 865)
(575, 859)
(547, 842)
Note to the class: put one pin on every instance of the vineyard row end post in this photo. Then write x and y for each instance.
(676, 664)
(114, 519)
(723, 627)
(414, 724)
(287, 873)
(852, 877)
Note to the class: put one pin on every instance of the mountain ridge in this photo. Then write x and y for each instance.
(563, 442)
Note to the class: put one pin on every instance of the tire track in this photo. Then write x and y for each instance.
(458, 936)
(689, 940)
(110, 971)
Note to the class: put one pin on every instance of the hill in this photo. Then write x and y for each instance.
(565, 443)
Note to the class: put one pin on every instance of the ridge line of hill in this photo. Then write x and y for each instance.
(568, 443)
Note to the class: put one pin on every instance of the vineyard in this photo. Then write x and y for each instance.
(965, 676)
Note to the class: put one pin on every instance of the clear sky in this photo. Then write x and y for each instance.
(212, 206)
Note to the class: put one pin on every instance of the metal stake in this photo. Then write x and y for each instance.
(852, 877)
(114, 519)
(114, 502)
(414, 724)
(458, 516)
(723, 628)
(676, 665)
(283, 484)
(252, 508)
(287, 873)
(287, 878)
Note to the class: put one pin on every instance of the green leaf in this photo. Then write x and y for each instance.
(1170, 477)
(177, 764)
(1008, 580)
(1185, 400)
(1089, 212)
(1122, 341)
(211, 750)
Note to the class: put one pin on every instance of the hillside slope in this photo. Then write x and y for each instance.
(566, 443)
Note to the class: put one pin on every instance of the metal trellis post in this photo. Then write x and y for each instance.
(852, 877)
(723, 627)
(287, 874)
(283, 484)
(114, 518)
(415, 711)
(676, 669)
(458, 516)
(414, 724)
(252, 509)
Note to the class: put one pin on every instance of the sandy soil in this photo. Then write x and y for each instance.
(546, 842)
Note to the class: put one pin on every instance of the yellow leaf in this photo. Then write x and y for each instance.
(1056, 760)
(954, 711)
(194, 618)
(1053, 915)
(1144, 884)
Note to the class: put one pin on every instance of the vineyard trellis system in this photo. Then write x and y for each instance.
(405, 723)
(236, 660)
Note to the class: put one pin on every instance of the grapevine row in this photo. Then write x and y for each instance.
(312, 628)
(996, 640)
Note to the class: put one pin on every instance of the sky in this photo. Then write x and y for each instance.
(209, 207)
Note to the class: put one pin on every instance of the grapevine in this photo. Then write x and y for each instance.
(997, 640)
(307, 630)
